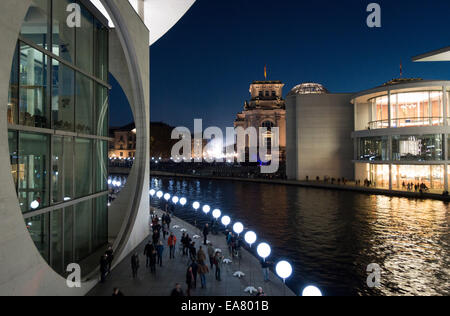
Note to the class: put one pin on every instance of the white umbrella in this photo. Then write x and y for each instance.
(183, 230)
(251, 290)
(227, 261)
(218, 250)
(239, 274)
(176, 227)
(196, 237)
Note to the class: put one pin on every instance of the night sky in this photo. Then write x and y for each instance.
(203, 67)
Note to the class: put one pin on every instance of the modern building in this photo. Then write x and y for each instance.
(319, 126)
(266, 108)
(54, 137)
(123, 145)
(401, 135)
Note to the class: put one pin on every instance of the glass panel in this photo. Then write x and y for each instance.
(83, 167)
(379, 176)
(38, 229)
(56, 228)
(68, 236)
(33, 160)
(101, 51)
(12, 141)
(102, 111)
(84, 104)
(83, 229)
(33, 88)
(101, 168)
(62, 169)
(418, 177)
(63, 110)
(436, 107)
(85, 42)
(418, 148)
(35, 25)
(13, 92)
(63, 34)
(373, 148)
(101, 222)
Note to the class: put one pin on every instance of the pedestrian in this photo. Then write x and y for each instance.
(185, 241)
(211, 255)
(193, 251)
(218, 263)
(117, 292)
(201, 257)
(103, 268)
(165, 230)
(202, 271)
(177, 291)
(153, 262)
(189, 280)
(205, 234)
(194, 267)
(160, 250)
(155, 237)
(148, 253)
(171, 242)
(260, 292)
(135, 265)
(110, 256)
(265, 265)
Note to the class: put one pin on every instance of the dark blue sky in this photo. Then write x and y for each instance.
(202, 68)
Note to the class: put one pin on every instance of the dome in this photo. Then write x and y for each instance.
(308, 88)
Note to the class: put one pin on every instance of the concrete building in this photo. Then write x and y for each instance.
(266, 108)
(123, 145)
(54, 134)
(401, 135)
(319, 126)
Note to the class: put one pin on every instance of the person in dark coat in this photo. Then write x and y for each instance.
(148, 253)
(189, 280)
(153, 262)
(103, 268)
(159, 252)
(177, 291)
(205, 234)
(186, 241)
(193, 251)
(135, 265)
(155, 237)
(110, 257)
(194, 267)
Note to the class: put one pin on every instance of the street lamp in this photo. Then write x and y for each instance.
(159, 194)
(284, 271)
(264, 250)
(206, 209)
(311, 291)
(196, 205)
(183, 201)
(167, 196)
(175, 199)
(152, 192)
(238, 228)
(250, 238)
(226, 220)
(216, 214)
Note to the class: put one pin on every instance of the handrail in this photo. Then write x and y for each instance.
(426, 121)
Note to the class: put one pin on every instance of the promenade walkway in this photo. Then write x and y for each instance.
(174, 271)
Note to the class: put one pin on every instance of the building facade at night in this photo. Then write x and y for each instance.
(266, 108)
(123, 145)
(401, 135)
(319, 125)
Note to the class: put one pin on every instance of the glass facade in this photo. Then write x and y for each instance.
(418, 147)
(373, 148)
(60, 170)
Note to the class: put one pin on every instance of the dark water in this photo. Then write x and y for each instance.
(331, 236)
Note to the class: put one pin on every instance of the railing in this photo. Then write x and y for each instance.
(407, 122)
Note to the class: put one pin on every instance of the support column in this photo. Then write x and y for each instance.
(445, 105)
(389, 108)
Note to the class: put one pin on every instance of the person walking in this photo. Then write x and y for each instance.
(205, 234)
(103, 268)
(148, 250)
(194, 267)
(211, 255)
(153, 262)
(155, 237)
(202, 271)
(265, 265)
(189, 280)
(260, 292)
(185, 241)
(177, 291)
(110, 257)
(201, 257)
(135, 265)
(193, 251)
(171, 242)
(218, 263)
(160, 251)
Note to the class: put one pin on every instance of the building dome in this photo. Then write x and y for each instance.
(308, 88)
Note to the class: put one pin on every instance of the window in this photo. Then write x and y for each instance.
(100, 237)
(38, 227)
(13, 92)
(101, 168)
(63, 107)
(84, 104)
(268, 125)
(62, 169)
(33, 160)
(56, 247)
(68, 235)
(35, 25)
(261, 93)
(63, 35)
(274, 94)
(33, 88)
(267, 93)
(373, 149)
(83, 230)
(13, 157)
(85, 42)
(102, 111)
(101, 51)
(418, 147)
(83, 167)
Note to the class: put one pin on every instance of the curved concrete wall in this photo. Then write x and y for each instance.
(22, 269)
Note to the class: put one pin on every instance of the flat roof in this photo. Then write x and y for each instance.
(442, 54)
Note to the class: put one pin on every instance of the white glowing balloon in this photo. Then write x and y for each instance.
(226, 220)
(183, 201)
(250, 238)
(34, 205)
(206, 209)
(264, 250)
(216, 213)
(152, 192)
(311, 291)
(196, 205)
(175, 199)
(283, 269)
(238, 228)
(159, 194)
(167, 196)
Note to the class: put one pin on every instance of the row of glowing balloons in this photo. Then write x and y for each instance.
(283, 268)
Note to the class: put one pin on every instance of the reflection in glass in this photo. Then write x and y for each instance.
(33, 87)
(56, 229)
(68, 236)
(101, 51)
(83, 167)
(84, 104)
(101, 168)
(83, 229)
(33, 160)
(12, 141)
(85, 42)
(13, 92)
(373, 148)
(101, 222)
(62, 169)
(63, 35)
(63, 97)
(417, 147)
(102, 110)
(35, 25)
(38, 229)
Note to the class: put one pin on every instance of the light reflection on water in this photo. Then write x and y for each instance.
(332, 236)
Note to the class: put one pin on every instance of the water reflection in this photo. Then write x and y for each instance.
(331, 237)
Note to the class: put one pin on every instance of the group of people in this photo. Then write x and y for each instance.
(415, 186)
